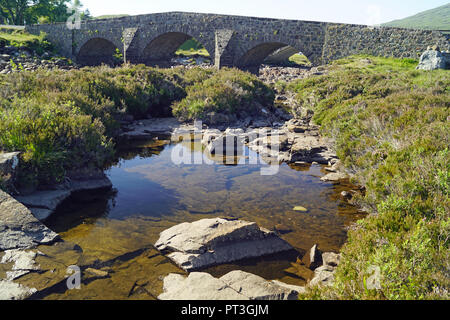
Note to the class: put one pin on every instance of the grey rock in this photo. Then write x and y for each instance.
(313, 258)
(331, 259)
(23, 260)
(43, 203)
(434, 59)
(24, 263)
(211, 242)
(323, 276)
(13, 291)
(8, 165)
(147, 128)
(209, 136)
(334, 177)
(257, 288)
(226, 144)
(19, 228)
(87, 185)
(45, 199)
(297, 289)
(236, 285)
(197, 286)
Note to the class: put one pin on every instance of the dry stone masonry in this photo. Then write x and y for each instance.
(234, 41)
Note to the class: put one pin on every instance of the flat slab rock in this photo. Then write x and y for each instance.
(146, 128)
(209, 242)
(236, 285)
(43, 203)
(19, 228)
(13, 291)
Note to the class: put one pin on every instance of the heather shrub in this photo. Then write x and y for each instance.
(390, 124)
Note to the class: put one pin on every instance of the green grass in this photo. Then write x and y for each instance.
(192, 48)
(434, 19)
(300, 60)
(20, 38)
(390, 124)
(230, 92)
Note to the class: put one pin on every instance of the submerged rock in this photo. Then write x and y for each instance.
(216, 241)
(236, 285)
(19, 228)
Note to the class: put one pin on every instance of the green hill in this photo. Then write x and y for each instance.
(434, 19)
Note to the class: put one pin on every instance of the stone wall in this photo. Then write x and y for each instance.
(231, 40)
(58, 34)
(344, 40)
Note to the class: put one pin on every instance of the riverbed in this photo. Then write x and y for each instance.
(116, 229)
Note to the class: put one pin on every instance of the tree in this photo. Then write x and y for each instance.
(14, 11)
(19, 12)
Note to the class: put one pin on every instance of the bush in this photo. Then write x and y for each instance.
(62, 120)
(228, 92)
(52, 139)
(390, 124)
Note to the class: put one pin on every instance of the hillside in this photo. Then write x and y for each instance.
(434, 19)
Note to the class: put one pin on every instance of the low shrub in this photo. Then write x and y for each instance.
(228, 92)
(390, 124)
(62, 120)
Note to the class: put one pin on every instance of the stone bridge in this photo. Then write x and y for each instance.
(234, 41)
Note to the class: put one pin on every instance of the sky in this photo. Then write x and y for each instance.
(370, 12)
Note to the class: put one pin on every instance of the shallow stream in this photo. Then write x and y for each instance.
(117, 229)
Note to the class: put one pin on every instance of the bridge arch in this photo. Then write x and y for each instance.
(96, 51)
(255, 54)
(161, 49)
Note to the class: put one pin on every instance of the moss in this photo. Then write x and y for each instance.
(390, 124)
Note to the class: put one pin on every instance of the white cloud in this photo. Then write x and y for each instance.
(373, 15)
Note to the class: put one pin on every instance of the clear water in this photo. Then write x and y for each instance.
(151, 194)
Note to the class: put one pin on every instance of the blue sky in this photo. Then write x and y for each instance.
(346, 11)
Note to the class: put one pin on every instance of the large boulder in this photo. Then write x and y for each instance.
(434, 59)
(19, 228)
(216, 241)
(236, 285)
